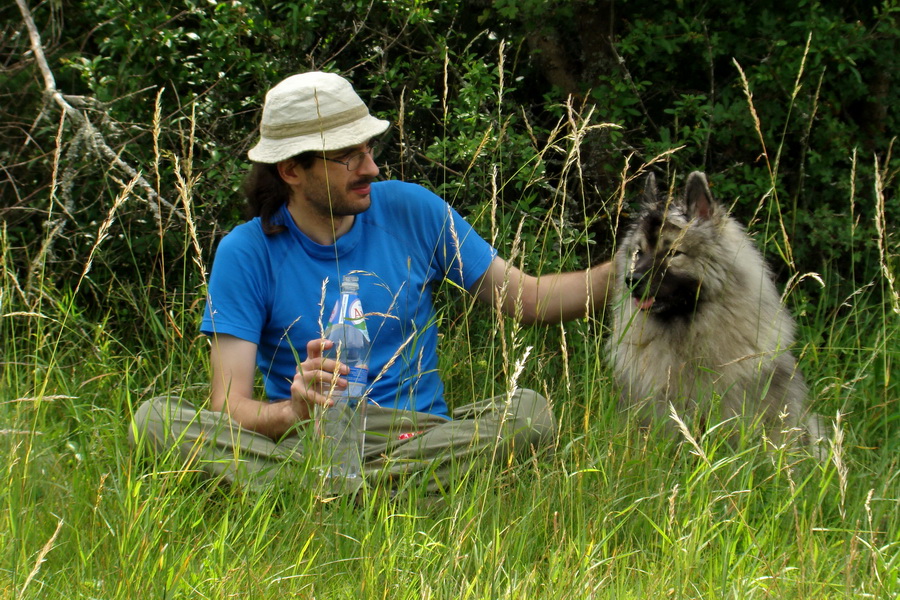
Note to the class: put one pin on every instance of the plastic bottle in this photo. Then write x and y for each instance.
(344, 423)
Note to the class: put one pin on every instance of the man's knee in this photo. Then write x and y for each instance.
(155, 419)
(145, 421)
(534, 420)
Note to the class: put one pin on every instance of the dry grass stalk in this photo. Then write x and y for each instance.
(7, 271)
(837, 457)
(103, 231)
(772, 169)
(42, 555)
(185, 184)
(157, 132)
(882, 181)
(686, 433)
(53, 227)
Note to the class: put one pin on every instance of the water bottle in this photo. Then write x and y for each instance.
(344, 423)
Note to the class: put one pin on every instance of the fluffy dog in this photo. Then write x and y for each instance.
(699, 325)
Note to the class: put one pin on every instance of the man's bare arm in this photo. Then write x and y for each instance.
(546, 298)
(233, 363)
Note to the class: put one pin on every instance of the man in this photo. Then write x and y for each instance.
(319, 213)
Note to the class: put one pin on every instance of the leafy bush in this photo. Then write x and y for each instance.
(487, 98)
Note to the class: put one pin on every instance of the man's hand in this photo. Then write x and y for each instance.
(316, 379)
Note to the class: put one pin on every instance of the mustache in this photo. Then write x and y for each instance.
(361, 181)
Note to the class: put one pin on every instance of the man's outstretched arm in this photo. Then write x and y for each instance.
(546, 298)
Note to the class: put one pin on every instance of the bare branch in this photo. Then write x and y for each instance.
(95, 140)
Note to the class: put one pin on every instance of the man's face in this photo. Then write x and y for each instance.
(335, 191)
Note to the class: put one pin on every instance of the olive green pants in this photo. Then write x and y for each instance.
(399, 445)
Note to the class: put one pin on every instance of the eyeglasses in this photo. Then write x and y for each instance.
(354, 161)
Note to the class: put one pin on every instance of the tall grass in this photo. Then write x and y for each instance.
(611, 513)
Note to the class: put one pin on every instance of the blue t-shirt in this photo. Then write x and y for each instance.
(269, 290)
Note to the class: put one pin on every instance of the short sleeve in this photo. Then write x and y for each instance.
(236, 302)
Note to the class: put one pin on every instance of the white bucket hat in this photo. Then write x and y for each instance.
(313, 111)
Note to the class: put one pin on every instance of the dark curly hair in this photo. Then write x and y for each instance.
(267, 192)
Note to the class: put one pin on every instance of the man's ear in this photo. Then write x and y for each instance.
(291, 172)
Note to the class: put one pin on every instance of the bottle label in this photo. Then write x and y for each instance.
(355, 312)
(349, 310)
(358, 374)
(357, 381)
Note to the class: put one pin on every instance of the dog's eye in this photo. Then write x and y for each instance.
(674, 253)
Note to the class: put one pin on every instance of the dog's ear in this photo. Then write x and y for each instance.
(698, 200)
(650, 197)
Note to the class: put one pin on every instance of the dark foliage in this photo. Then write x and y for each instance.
(822, 75)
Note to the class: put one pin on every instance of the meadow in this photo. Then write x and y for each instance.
(612, 512)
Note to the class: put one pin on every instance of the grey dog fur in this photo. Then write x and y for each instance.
(725, 351)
